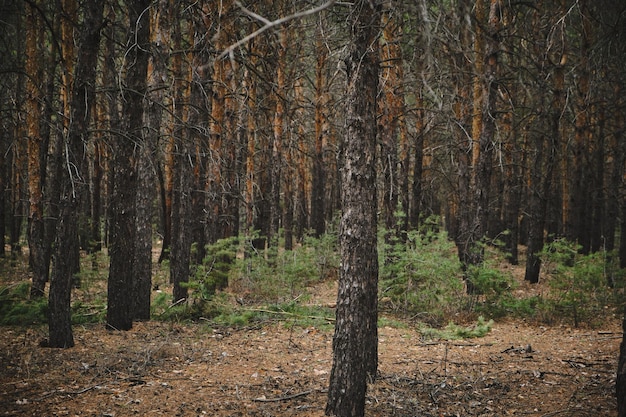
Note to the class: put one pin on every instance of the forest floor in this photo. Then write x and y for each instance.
(278, 369)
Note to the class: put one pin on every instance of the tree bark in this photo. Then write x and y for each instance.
(390, 108)
(319, 170)
(122, 280)
(34, 99)
(620, 383)
(355, 342)
(73, 185)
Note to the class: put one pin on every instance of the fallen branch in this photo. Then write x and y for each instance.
(62, 392)
(283, 398)
(286, 313)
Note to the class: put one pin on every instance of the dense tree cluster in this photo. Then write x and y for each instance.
(124, 120)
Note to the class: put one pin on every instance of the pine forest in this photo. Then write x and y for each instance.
(218, 164)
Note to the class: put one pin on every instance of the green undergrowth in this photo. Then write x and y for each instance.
(454, 332)
(17, 309)
(583, 288)
(420, 285)
(420, 276)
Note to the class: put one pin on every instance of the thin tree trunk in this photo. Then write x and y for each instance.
(620, 383)
(319, 174)
(300, 198)
(484, 162)
(465, 237)
(278, 134)
(35, 149)
(355, 342)
(391, 107)
(175, 111)
(182, 209)
(250, 149)
(576, 225)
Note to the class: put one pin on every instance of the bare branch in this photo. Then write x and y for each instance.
(270, 24)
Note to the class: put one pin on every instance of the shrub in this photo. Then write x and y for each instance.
(421, 276)
(581, 286)
(492, 287)
(276, 275)
(17, 309)
(453, 331)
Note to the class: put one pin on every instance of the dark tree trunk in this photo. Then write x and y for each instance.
(389, 167)
(182, 209)
(466, 239)
(146, 185)
(355, 343)
(73, 188)
(319, 170)
(620, 383)
(535, 217)
(512, 194)
(122, 280)
(96, 199)
(60, 333)
(190, 193)
(3, 193)
(142, 268)
(418, 169)
(36, 152)
(622, 243)
(543, 164)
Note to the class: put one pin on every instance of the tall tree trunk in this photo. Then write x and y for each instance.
(391, 108)
(278, 133)
(483, 163)
(613, 192)
(182, 210)
(355, 342)
(620, 383)
(543, 161)
(73, 185)
(466, 238)
(319, 174)
(35, 148)
(18, 196)
(302, 171)
(145, 164)
(171, 130)
(280, 139)
(219, 135)
(576, 225)
(512, 191)
(3, 193)
(96, 195)
(183, 182)
(249, 194)
(122, 288)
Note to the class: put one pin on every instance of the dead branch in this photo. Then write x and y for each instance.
(283, 398)
(271, 24)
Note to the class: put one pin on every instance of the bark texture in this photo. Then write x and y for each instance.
(122, 280)
(355, 342)
(73, 186)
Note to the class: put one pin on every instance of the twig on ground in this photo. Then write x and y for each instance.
(286, 313)
(283, 398)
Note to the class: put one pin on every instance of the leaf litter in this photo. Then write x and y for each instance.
(173, 369)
